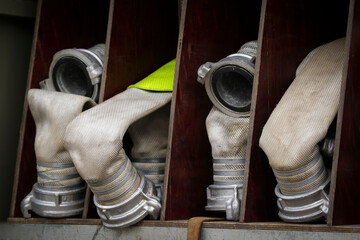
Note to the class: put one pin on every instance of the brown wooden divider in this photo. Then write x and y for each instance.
(344, 193)
(288, 32)
(60, 24)
(209, 30)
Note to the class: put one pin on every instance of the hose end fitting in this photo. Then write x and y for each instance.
(56, 203)
(305, 207)
(76, 71)
(228, 82)
(143, 202)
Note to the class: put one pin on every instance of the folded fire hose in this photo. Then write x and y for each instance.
(59, 191)
(228, 84)
(123, 196)
(291, 135)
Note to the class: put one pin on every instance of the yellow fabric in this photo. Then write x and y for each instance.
(160, 80)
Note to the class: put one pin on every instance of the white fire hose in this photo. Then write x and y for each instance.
(59, 191)
(291, 136)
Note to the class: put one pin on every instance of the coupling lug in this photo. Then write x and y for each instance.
(44, 84)
(202, 71)
(225, 198)
(26, 205)
(94, 72)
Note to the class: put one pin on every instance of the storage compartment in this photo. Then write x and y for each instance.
(209, 31)
(288, 32)
(140, 37)
(59, 25)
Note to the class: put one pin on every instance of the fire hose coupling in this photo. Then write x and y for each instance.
(226, 192)
(297, 135)
(54, 202)
(229, 81)
(77, 71)
(304, 207)
(59, 191)
(302, 193)
(141, 203)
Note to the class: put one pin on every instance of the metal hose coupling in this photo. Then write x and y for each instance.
(77, 71)
(59, 191)
(296, 137)
(303, 199)
(228, 84)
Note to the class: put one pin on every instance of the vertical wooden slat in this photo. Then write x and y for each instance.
(344, 196)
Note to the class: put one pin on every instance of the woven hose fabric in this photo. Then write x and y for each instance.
(94, 140)
(301, 119)
(150, 137)
(52, 112)
(228, 139)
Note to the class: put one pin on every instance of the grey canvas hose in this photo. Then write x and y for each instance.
(59, 191)
(291, 136)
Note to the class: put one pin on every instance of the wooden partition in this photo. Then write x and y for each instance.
(209, 31)
(344, 194)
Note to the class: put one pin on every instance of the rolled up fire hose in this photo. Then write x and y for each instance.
(291, 135)
(229, 86)
(122, 195)
(59, 191)
(77, 71)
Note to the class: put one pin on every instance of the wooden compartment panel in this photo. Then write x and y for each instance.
(344, 194)
(209, 30)
(142, 37)
(59, 25)
(288, 32)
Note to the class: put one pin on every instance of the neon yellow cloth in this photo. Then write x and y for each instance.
(160, 80)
